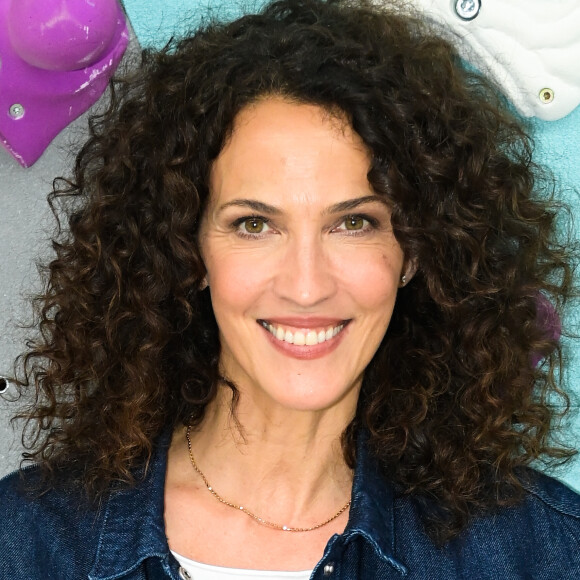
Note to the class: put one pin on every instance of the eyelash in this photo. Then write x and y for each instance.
(371, 224)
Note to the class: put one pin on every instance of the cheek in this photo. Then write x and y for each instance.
(235, 279)
(372, 278)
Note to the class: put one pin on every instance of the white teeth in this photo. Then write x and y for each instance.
(299, 338)
(302, 338)
(312, 338)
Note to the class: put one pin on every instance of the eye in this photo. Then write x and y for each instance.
(254, 225)
(354, 222)
(251, 226)
(357, 224)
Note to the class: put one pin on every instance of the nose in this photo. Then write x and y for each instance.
(305, 276)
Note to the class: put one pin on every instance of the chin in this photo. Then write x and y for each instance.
(312, 396)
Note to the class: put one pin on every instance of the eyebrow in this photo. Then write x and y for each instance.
(252, 204)
(262, 207)
(354, 203)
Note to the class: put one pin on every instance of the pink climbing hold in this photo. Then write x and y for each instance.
(56, 58)
(63, 34)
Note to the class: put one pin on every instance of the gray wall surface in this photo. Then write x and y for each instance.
(26, 228)
(25, 225)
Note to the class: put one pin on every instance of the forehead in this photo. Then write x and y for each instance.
(279, 148)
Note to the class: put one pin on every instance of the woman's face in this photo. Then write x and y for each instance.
(302, 263)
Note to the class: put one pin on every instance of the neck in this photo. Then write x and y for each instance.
(286, 466)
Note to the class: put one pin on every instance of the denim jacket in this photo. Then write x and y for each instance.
(53, 537)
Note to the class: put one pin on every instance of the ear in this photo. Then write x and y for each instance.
(408, 272)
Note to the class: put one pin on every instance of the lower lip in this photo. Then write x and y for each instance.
(306, 352)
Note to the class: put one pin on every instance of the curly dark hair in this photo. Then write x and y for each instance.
(453, 401)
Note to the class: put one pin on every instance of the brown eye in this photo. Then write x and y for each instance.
(254, 225)
(354, 222)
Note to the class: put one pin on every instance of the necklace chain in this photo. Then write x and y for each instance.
(245, 510)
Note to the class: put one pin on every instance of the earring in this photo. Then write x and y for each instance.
(203, 284)
(403, 279)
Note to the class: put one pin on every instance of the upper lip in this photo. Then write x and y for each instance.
(304, 321)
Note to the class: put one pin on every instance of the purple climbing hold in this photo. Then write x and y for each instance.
(64, 34)
(56, 57)
(548, 320)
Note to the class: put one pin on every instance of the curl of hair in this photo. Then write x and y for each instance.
(128, 343)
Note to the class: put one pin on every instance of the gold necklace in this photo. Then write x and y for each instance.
(258, 519)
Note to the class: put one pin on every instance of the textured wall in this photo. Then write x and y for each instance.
(26, 224)
(25, 227)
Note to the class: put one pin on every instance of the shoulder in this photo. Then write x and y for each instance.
(539, 537)
(552, 496)
(14, 497)
(22, 494)
(547, 518)
(44, 532)
(536, 538)
(23, 491)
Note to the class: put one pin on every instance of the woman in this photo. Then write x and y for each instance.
(294, 328)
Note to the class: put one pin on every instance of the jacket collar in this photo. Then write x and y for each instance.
(133, 527)
(372, 514)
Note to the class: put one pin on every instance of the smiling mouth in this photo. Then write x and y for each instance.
(303, 337)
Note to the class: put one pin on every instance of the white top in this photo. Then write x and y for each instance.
(199, 571)
(527, 46)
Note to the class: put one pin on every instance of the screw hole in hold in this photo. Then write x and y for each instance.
(4, 384)
(16, 111)
(546, 96)
(467, 9)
